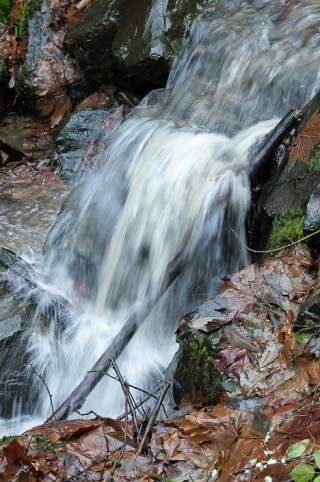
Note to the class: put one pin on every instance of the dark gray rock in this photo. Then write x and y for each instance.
(21, 316)
(131, 43)
(3, 87)
(312, 220)
(291, 186)
(82, 127)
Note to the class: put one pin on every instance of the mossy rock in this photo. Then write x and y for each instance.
(27, 7)
(287, 227)
(196, 379)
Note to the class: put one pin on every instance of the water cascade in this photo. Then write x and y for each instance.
(170, 186)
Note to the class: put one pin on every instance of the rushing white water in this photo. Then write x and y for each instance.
(172, 184)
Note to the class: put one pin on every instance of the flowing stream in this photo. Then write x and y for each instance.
(171, 186)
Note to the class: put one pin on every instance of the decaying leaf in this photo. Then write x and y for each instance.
(297, 449)
(240, 337)
(306, 140)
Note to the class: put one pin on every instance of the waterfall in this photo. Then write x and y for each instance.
(171, 185)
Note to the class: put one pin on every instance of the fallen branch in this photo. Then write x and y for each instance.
(125, 388)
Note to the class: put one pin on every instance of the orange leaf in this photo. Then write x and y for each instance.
(306, 140)
(62, 109)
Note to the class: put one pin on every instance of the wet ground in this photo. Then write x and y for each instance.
(30, 193)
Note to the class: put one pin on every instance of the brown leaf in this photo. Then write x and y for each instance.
(234, 359)
(306, 140)
(62, 109)
(239, 337)
(17, 461)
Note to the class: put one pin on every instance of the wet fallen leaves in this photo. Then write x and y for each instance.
(245, 436)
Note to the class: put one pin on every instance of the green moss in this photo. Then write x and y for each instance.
(314, 161)
(195, 370)
(287, 227)
(5, 9)
(43, 443)
(23, 19)
(300, 337)
(26, 8)
(5, 440)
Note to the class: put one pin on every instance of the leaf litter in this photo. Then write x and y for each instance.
(246, 435)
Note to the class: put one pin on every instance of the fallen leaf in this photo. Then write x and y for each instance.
(306, 140)
(240, 337)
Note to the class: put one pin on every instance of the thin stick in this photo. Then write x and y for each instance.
(54, 419)
(275, 249)
(152, 418)
(144, 399)
(125, 388)
(47, 388)
(124, 439)
(129, 384)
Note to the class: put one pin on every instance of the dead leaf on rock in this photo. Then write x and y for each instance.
(306, 140)
(240, 337)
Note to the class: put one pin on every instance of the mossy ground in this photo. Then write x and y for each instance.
(195, 370)
(287, 227)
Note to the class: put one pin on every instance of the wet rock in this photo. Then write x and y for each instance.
(82, 128)
(139, 40)
(312, 220)
(309, 314)
(293, 182)
(38, 35)
(195, 379)
(2, 88)
(22, 317)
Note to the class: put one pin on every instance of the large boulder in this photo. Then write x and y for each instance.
(129, 42)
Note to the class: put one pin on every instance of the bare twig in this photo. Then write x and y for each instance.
(116, 463)
(144, 399)
(53, 416)
(89, 413)
(47, 388)
(152, 418)
(125, 388)
(275, 249)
